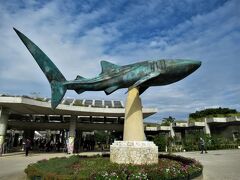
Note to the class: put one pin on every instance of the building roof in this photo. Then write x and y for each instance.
(78, 107)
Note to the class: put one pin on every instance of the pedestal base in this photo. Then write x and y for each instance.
(134, 152)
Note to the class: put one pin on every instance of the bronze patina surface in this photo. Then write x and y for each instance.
(113, 77)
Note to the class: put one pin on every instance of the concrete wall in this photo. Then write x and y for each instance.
(225, 130)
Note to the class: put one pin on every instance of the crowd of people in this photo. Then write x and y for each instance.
(40, 144)
(86, 143)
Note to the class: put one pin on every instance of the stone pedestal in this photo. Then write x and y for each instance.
(133, 149)
(134, 152)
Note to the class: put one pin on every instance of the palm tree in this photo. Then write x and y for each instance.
(168, 121)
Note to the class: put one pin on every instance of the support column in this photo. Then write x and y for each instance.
(71, 138)
(172, 132)
(207, 128)
(134, 149)
(133, 123)
(3, 127)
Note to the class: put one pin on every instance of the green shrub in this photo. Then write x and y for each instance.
(161, 142)
(217, 142)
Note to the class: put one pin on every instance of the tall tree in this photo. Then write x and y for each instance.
(167, 121)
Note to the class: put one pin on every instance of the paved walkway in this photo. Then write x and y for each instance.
(218, 165)
(12, 165)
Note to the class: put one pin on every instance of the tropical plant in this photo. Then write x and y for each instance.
(167, 121)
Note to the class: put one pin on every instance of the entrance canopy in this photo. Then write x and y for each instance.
(76, 107)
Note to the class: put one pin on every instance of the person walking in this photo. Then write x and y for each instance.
(27, 146)
(202, 145)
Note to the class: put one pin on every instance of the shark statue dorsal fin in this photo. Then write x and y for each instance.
(79, 77)
(107, 66)
(144, 79)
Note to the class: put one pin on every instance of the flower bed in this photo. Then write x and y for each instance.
(76, 167)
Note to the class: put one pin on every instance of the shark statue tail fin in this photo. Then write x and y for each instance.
(54, 76)
(58, 91)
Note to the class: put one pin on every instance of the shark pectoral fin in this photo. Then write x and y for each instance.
(79, 91)
(144, 79)
(107, 66)
(110, 90)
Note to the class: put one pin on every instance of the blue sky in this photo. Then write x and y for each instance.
(77, 35)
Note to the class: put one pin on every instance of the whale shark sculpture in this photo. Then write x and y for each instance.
(113, 77)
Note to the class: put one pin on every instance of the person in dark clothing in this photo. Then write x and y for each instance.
(58, 146)
(48, 146)
(92, 142)
(202, 145)
(27, 146)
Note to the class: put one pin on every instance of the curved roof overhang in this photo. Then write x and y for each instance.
(22, 105)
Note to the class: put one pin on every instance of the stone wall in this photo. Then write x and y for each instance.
(134, 152)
